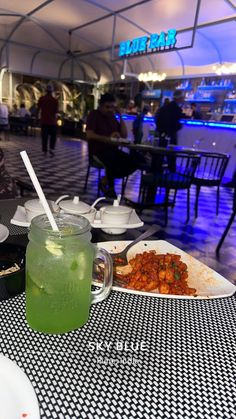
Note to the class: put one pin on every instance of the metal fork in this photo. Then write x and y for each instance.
(120, 259)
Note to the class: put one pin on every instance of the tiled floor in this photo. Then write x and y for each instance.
(65, 173)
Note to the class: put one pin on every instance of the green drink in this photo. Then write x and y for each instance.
(59, 268)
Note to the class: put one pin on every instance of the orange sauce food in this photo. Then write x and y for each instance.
(164, 273)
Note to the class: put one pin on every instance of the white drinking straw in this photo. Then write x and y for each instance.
(38, 189)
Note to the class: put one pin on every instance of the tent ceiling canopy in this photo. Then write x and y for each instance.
(79, 39)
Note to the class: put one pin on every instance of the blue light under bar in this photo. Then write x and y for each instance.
(184, 121)
(212, 124)
(215, 124)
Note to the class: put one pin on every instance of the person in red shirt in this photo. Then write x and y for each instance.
(102, 126)
(48, 106)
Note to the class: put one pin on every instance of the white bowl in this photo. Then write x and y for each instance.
(33, 207)
(115, 216)
(90, 215)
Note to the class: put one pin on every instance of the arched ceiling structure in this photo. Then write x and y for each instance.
(76, 39)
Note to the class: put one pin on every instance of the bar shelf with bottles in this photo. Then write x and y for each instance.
(221, 84)
(220, 96)
(184, 85)
(230, 104)
(216, 101)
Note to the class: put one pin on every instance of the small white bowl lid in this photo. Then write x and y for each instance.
(35, 205)
(74, 205)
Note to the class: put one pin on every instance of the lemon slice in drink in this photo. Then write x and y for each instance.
(53, 248)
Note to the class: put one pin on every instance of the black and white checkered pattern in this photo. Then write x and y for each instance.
(187, 369)
(189, 365)
(65, 173)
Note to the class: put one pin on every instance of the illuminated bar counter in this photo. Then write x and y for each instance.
(206, 135)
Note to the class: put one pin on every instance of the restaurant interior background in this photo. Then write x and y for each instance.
(51, 41)
(79, 51)
(188, 370)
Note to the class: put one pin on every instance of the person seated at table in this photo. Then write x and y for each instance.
(195, 113)
(22, 112)
(7, 186)
(14, 111)
(33, 110)
(103, 124)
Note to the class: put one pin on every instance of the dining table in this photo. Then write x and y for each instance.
(138, 356)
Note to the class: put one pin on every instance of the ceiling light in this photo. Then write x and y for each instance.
(150, 76)
(122, 76)
(224, 69)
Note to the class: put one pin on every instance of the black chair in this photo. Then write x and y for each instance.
(97, 164)
(210, 172)
(19, 125)
(24, 187)
(230, 222)
(186, 164)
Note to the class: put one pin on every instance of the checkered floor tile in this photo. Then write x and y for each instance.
(65, 174)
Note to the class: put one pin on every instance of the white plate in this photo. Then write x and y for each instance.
(19, 219)
(4, 233)
(17, 396)
(207, 282)
(134, 222)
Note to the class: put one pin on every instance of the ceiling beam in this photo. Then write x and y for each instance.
(33, 60)
(210, 23)
(195, 22)
(141, 28)
(4, 13)
(106, 63)
(24, 17)
(21, 44)
(29, 16)
(62, 65)
(9, 14)
(187, 29)
(99, 19)
(182, 62)
(213, 44)
(231, 4)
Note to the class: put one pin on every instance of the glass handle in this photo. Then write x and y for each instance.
(104, 291)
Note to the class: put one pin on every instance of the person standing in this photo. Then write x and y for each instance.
(174, 114)
(138, 125)
(169, 124)
(103, 124)
(4, 120)
(161, 119)
(195, 113)
(48, 106)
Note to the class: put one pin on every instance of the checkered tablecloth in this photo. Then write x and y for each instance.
(137, 357)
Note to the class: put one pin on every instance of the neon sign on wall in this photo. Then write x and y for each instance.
(145, 44)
